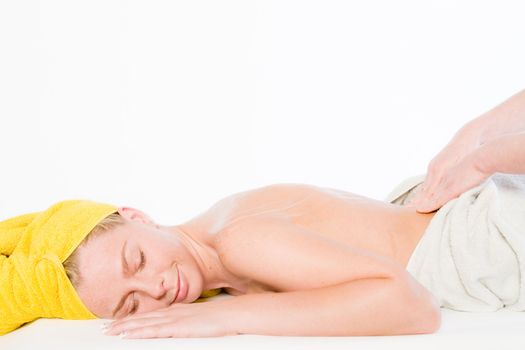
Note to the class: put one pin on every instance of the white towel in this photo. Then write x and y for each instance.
(472, 254)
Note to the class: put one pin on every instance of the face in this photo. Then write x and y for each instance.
(134, 268)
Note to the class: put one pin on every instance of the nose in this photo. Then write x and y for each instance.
(151, 285)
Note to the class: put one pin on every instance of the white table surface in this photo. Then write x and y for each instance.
(459, 330)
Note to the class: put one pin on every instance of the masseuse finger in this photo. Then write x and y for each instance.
(435, 171)
(425, 206)
(448, 189)
(428, 203)
(428, 187)
(416, 198)
(426, 194)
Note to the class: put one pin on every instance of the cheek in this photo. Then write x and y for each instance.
(150, 304)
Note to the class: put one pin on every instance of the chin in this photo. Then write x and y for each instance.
(190, 298)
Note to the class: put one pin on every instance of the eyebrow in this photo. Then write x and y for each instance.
(124, 269)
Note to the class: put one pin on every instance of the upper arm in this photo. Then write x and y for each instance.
(289, 257)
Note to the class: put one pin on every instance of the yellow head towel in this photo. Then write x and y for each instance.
(33, 282)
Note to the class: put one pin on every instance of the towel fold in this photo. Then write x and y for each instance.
(472, 254)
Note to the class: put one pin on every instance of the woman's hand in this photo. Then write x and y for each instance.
(196, 320)
(451, 172)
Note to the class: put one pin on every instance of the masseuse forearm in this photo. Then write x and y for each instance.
(507, 117)
(363, 307)
(505, 154)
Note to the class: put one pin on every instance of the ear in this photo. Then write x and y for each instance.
(135, 215)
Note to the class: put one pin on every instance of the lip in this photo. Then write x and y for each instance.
(182, 288)
(177, 290)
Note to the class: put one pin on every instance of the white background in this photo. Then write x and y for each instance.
(168, 106)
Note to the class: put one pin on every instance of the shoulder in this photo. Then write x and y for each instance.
(282, 188)
(275, 195)
(259, 201)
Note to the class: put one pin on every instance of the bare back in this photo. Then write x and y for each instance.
(385, 229)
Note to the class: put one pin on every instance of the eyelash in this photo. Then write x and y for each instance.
(142, 260)
(134, 308)
(141, 266)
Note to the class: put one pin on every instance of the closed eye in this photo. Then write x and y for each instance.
(135, 306)
(135, 301)
(142, 260)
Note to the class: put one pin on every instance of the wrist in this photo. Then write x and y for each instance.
(475, 130)
(483, 160)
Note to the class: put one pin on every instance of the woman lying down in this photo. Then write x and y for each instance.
(301, 260)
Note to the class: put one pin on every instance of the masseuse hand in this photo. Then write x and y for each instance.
(493, 142)
(204, 319)
(451, 172)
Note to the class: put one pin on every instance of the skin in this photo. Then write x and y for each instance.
(493, 142)
(387, 230)
(166, 251)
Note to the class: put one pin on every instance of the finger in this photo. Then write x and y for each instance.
(155, 313)
(418, 195)
(423, 195)
(415, 200)
(444, 193)
(453, 190)
(128, 325)
(414, 203)
(167, 330)
(426, 204)
(162, 313)
(430, 186)
(435, 173)
(424, 207)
